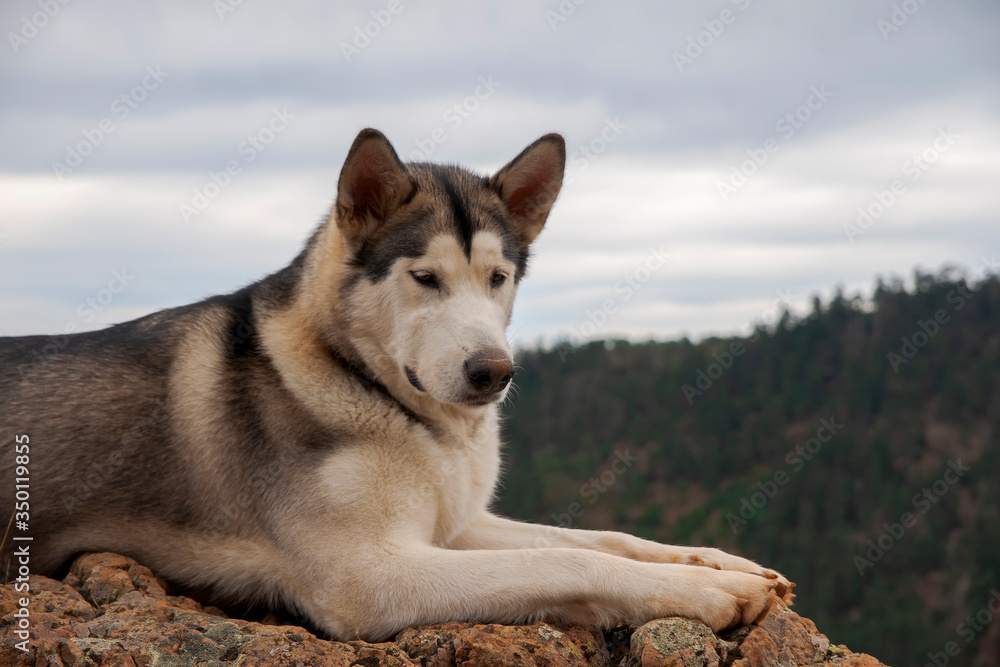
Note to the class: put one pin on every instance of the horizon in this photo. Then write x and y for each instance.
(770, 318)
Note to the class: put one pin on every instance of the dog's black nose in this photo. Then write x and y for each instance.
(489, 371)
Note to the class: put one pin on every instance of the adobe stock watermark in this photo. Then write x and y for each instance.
(33, 24)
(596, 487)
(899, 17)
(223, 8)
(796, 458)
(121, 108)
(454, 116)
(922, 502)
(104, 472)
(590, 491)
(927, 329)
(703, 40)
(565, 9)
(248, 150)
(20, 556)
(87, 310)
(583, 155)
(723, 361)
(629, 285)
(787, 125)
(914, 168)
(365, 34)
(968, 629)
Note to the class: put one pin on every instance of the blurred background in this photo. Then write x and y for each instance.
(797, 202)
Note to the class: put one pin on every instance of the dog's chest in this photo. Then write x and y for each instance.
(466, 471)
(426, 483)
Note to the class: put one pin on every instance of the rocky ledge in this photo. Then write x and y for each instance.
(112, 611)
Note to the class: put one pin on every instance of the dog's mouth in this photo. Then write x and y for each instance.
(473, 399)
(414, 380)
(482, 400)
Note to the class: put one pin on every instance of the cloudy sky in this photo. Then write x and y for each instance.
(724, 156)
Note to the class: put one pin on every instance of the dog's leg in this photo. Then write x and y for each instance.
(492, 532)
(375, 591)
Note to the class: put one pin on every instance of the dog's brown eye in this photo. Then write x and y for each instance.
(425, 278)
(498, 279)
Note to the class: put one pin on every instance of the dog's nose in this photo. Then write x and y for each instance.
(489, 371)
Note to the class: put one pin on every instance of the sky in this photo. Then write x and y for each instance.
(726, 159)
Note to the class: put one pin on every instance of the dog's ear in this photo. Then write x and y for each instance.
(528, 185)
(373, 184)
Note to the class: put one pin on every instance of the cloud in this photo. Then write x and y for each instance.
(455, 82)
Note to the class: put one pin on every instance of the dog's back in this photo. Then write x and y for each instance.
(75, 398)
(117, 442)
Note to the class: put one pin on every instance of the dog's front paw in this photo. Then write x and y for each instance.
(734, 598)
(720, 560)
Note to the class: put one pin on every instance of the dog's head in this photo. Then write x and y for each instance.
(434, 256)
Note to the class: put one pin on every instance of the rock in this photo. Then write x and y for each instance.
(538, 644)
(105, 577)
(432, 645)
(784, 638)
(447, 644)
(759, 650)
(678, 639)
(113, 612)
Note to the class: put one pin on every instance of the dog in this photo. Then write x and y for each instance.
(327, 438)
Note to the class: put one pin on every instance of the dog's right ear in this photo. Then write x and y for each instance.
(373, 184)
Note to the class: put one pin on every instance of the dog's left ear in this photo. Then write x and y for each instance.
(528, 185)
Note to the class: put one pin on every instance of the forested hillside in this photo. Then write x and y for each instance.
(855, 450)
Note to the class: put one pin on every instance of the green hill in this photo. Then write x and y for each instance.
(854, 449)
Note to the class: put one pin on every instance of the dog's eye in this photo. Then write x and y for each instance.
(498, 279)
(425, 278)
